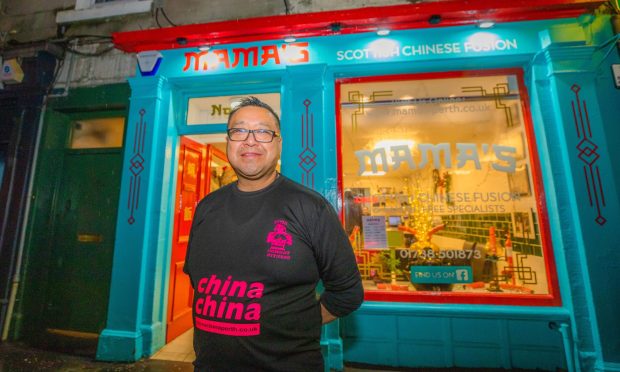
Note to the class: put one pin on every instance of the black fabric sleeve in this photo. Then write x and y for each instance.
(196, 221)
(337, 265)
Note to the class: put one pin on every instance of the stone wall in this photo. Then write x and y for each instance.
(24, 21)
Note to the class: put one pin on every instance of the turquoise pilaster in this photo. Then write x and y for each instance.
(307, 157)
(302, 112)
(581, 192)
(135, 313)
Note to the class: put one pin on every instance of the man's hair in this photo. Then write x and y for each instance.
(253, 101)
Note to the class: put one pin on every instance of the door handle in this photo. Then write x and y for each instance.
(89, 238)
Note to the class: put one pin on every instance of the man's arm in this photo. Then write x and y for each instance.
(343, 291)
(326, 316)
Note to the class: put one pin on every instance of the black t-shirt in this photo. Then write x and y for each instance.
(254, 259)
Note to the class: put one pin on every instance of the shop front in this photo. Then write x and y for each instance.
(469, 165)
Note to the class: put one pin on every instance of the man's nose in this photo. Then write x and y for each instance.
(251, 140)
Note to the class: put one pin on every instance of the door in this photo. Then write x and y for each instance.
(191, 181)
(83, 243)
(202, 169)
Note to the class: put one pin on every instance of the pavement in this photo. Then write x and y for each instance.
(15, 357)
(21, 358)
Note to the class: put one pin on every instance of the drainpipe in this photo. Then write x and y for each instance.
(568, 344)
(11, 180)
(20, 251)
(67, 82)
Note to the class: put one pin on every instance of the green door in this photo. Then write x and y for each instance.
(81, 263)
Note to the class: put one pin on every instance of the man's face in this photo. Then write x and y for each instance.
(250, 159)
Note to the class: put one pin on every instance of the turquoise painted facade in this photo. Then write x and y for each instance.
(566, 64)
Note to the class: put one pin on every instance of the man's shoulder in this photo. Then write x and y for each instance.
(216, 196)
(301, 192)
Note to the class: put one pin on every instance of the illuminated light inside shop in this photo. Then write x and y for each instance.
(289, 39)
(383, 32)
(391, 143)
(370, 173)
(461, 172)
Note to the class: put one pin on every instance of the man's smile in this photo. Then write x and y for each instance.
(250, 154)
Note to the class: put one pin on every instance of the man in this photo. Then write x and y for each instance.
(257, 250)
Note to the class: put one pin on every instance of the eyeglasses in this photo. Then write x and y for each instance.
(260, 135)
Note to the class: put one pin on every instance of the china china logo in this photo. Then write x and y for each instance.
(279, 239)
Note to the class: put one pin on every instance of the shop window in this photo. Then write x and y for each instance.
(215, 110)
(441, 193)
(97, 133)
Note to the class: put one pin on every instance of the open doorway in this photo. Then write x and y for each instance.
(202, 168)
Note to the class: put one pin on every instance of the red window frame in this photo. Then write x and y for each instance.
(490, 298)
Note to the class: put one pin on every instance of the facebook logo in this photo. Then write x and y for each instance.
(462, 275)
(441, 274)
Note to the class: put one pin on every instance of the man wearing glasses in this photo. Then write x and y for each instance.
(257, 249)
